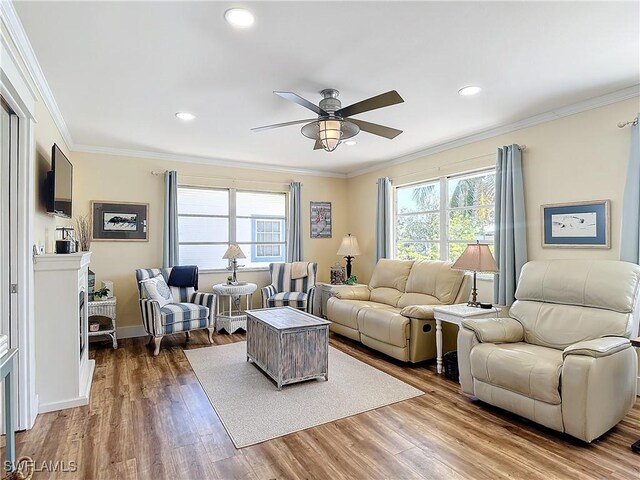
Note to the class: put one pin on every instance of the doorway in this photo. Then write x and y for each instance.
(8, 227)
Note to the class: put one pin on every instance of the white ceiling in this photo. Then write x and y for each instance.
(120, 70)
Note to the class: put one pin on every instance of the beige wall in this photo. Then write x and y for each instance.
(575, 158)
(123, 179)
(46, 134)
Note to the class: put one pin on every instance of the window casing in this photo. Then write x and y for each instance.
(435, 220)
(210, 219)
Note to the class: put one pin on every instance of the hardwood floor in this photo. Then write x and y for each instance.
(150, 419)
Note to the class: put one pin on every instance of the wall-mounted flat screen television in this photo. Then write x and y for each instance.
(59, 184)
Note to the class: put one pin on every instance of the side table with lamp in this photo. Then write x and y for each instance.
(233, 318)
(476, 258)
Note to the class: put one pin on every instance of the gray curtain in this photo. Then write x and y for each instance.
(294, 252)
(383, 219)
(170, 247)
(630, 233)
(510, 224)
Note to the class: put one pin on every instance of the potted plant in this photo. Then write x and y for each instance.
(101, 294)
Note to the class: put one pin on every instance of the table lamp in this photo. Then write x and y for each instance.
(349, 249)
(233, 253)
(476, 258)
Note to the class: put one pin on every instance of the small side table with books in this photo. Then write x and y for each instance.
(104, 308)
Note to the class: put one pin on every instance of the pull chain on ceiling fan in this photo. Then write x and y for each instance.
(334, 124)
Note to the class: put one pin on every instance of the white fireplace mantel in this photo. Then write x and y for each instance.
(63, 369)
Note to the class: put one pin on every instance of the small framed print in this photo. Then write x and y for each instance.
(576, 225)
(119, 221)
(320, 219)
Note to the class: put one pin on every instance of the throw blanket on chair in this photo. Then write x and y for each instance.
(299, 270)
(184, 276)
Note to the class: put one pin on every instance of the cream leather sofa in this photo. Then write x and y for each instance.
(563, 359)
(394, 314)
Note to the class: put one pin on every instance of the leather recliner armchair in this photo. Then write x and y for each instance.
(563, 357)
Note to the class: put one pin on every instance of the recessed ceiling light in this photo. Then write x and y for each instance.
(469, 90)
(239, 17)
(350, 143)
(185, 116)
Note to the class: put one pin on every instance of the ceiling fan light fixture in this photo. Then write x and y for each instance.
(330, 132)
(239, 17)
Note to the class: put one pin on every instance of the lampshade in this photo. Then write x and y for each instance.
(233, 252)
(476, 257)
(349, 246)
(330, 131)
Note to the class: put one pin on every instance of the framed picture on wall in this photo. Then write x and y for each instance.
(119, 221)
(576, 225)
(320, 219)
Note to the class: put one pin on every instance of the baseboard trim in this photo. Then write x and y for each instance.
(131, 332)
(81, 400)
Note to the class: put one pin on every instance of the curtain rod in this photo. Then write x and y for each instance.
(208, 177)
(521, 147)
(633, 122)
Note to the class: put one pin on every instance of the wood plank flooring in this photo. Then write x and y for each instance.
(149, 419)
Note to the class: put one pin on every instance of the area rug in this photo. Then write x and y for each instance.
(253, 410)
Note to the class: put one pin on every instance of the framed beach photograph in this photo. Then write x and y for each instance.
(119, 221)
(320, 219)
(576, 225)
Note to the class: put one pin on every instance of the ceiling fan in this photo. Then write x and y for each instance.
(334, 123)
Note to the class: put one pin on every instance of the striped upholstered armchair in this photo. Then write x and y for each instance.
(186, 310)
(292, 284)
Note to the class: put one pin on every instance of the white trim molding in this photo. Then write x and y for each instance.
(21, 97)
(134, 331)
(16, 31)
(235, 164)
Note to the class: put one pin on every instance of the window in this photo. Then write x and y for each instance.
(210, 219)
(436, 220)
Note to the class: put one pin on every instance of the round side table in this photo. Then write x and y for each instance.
(232, 317)
(104, 308)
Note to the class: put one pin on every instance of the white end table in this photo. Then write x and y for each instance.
(104, 308)
(233, 317)
(456, 314)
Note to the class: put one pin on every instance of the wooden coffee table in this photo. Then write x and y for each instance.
(287, 344)
(636, 446)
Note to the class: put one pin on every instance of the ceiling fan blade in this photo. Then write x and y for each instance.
(278, 125)
(292, 97)
(318, 145)
(376, 129)
(379, 101)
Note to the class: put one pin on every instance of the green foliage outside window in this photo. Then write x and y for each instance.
(470, 216)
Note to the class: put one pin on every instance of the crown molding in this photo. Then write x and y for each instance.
(590, 104)
(122, 152)
(25, 50)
